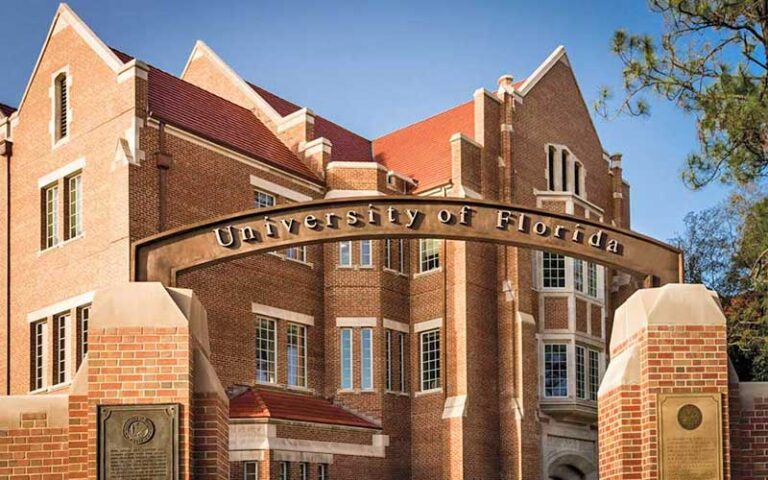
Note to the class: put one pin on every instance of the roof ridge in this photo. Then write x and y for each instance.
(431, 117)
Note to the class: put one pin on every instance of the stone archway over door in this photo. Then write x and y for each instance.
(571, 466)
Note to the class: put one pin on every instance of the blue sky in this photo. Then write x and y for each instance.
(376, 66)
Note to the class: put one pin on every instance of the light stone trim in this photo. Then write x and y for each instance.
(460, 136)
(282, 314)
(133, 69)
(246, 456)
(60, 173)
(395, 325)
(352, 193)
(296, 118)
(455, 407)
(279, 189)
(427, 325)
(62, 306)
(542, 69)
(482, 91)
(353, 322)
(302, 457)
(319, 144)
(369, 166)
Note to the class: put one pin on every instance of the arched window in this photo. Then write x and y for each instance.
(61, 107)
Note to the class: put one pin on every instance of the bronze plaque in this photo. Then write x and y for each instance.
(138, 442)
(690, 437)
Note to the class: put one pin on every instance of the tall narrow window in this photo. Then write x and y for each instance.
(265, 350)
(366, 358)
(303, 471)
(578, 274)
(83, 317)
(430, 360)
(61, 107)
(592, 279)
(366, 255)
(263, 199)
(37, 351)
(594, 374)
(389, 360)
(74, 203)
(555, 370)
(553, 270)
(577, 178)
(429, 254)
(581, 391)
(322, 472)
(401, 256)
(51, 216)
(296, 253)
(345, 253)
(283, 472)
(251, 471)
(388, 247)
(564, 170)
(297, 355)
(551, 166)
(346, 358)
(401, 352)
(60, 348)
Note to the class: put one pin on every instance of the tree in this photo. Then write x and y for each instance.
(712, 62)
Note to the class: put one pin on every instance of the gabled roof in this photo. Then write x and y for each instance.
(347, 145)
(202, 113)
(423, 150)
(6, 110)
(266, 403)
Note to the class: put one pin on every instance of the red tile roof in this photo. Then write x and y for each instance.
(6, 110)
(347, 146)
(198, 111)
(423, 150)
(266, 403)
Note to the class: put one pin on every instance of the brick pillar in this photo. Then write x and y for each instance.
(668, 340)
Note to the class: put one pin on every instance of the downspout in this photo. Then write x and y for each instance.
(163, 162)
(6, 150)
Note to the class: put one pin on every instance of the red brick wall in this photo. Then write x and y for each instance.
(749, 433)
(34, 450)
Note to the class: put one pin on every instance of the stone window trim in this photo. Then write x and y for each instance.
(59, 181)
(251, 471)
(559, 368)
(563, 171)
(430, 366)
(571, 279)
(429, 255)
(573, 343)
(57, 138)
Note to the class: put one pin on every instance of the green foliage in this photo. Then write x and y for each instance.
(712, 62)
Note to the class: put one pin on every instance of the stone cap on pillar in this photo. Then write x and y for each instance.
(672, 304)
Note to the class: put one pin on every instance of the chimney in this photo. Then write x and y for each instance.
(618, 190)
(506, 81)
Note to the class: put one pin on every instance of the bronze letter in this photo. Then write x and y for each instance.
(220, 237)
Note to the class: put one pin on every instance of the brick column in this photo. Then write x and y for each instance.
(668, 340)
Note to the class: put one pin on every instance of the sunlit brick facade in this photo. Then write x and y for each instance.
(429, 359)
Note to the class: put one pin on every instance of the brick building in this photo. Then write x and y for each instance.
(385, 359)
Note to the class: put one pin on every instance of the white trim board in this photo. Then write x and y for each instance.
(282, 314)
(279, 189)
(352, 322)
(61, 306)
(59, 173)
(395, 325)
(428, 325)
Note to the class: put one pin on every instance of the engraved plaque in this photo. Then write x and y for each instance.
(138, 442)
(690, 437)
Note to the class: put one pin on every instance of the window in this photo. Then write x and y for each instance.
(430, 360)
(304, 471)
(401, 256)
(388, 253)
(564, 170)
(577, 178)
(263, 199)
(265, 350)
(581, 391)
(389, 360)
(551, 166)
(83, 316)
(394, 260)
(297, 355)
(283, 472)
(51, 216)
(296, 253)
(553, 273)
(365, 253)
(251, 471)
(578, 274)
(60, 348)
(346, 358)
(322, 472)
(592, 280)
(366, 358)
(61, 107)
(345, 254)
(429, 254)
(37, 362)
(555, 370)
(594, 374)
(401, 341)
(74, 203)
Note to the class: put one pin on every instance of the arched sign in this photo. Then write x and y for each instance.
(162, 257)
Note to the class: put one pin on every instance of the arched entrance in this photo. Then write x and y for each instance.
(571, 466)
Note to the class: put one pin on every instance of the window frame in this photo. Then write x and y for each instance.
(284, 472)
(254, 475)
(61, 112)
(366, 364)
(581, 373)
(75, 214)
(37, 353)
(551, 152)
(83, 318)
(257, 199)
(301, 355)
(401, 341)
(401, 256)
(50, 216)
(433, 383)
(548, 269)
(350, 360)
(578, 275)
(562, 372)
(366, 253)
(322, 472)
(303, 471)
(592, 280)
(260, 320)
(345, 246)
(429, 255)
(388, 359)
(61, 327)
(593, 374)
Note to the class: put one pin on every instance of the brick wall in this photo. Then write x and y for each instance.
(749, 430)
(34, 450)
